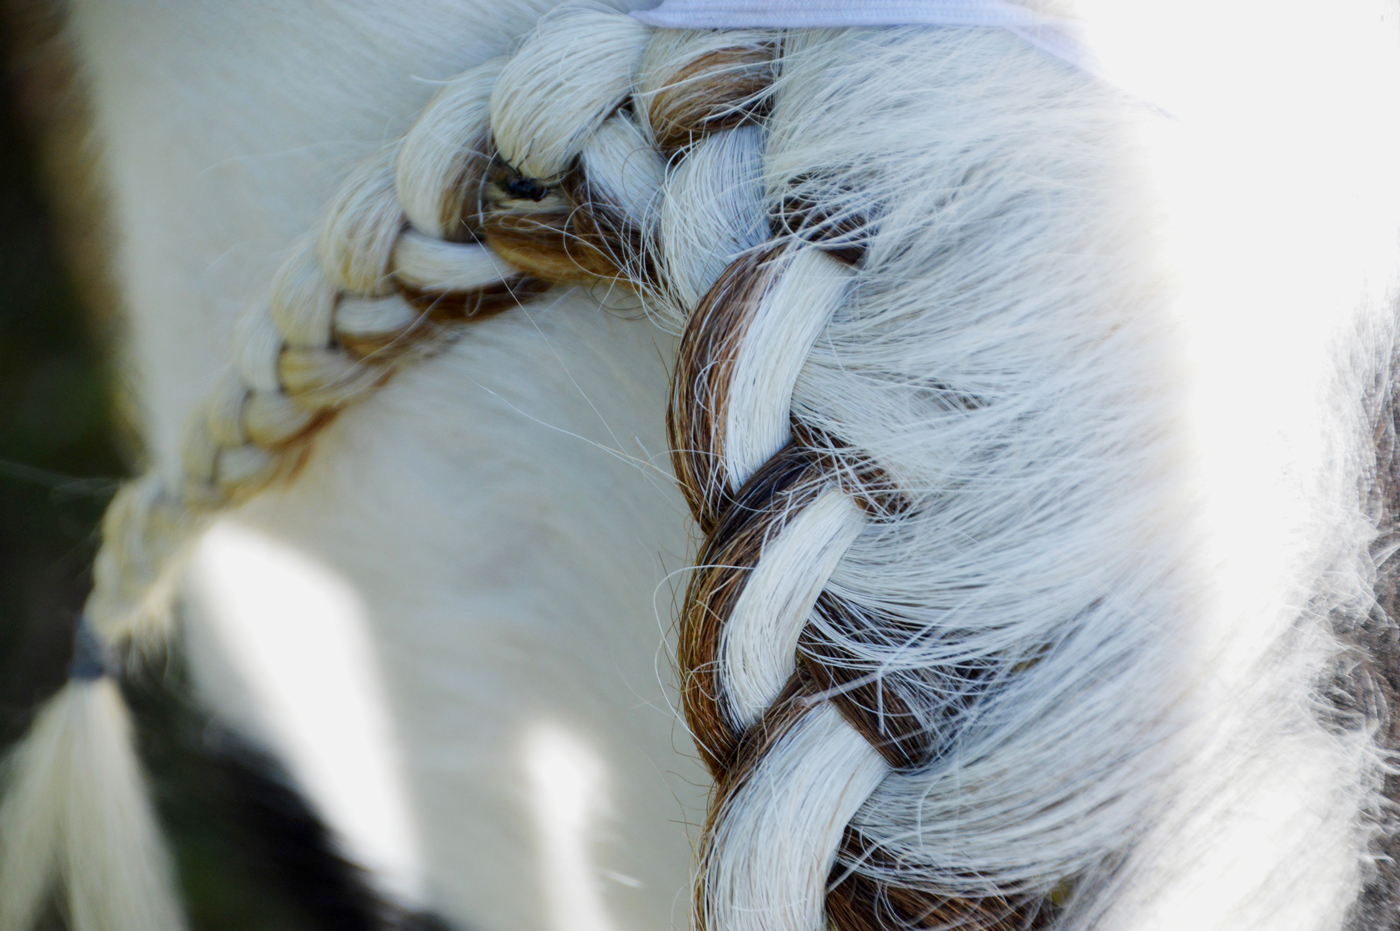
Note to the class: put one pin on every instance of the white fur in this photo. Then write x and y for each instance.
(513, 616)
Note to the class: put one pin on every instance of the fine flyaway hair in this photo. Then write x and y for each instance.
(963, 646)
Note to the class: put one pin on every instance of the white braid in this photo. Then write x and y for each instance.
(778, 838)
(303, 301)
(359, 230)
(624, 168)
(759, 644)
(807, 291)
(543, 112)
(433, 158)
(429, 264)
(670, 51)
(256, 347)
(334, 285)
(384, 319)
(711, 213)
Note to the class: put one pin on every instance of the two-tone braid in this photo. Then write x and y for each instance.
(396, 264)
(798, 731)
(883, 670)
(887, 683)
(784, 719)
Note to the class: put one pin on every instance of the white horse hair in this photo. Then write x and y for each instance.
(1029, 426)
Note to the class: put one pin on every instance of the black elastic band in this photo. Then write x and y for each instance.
(93, 657)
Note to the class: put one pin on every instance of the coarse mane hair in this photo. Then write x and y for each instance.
(1036, 488)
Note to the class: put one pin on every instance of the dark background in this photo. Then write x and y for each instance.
(59, 461)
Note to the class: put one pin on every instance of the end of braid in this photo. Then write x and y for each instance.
(76, 807)
(76, 810)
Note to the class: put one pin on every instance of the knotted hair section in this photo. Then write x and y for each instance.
(594, 223)
(576, 193)
(739, 360)
(643, 159)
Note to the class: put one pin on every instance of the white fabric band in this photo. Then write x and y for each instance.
(1063, 38)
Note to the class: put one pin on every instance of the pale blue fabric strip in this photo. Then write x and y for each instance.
(1064, 39)
(93, 657)
(798, 14)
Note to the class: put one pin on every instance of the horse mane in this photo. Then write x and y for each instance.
(974, 636)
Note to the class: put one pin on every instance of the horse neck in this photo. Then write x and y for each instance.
(492, 521)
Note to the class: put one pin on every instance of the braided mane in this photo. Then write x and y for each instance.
(950, 647)
(814, 702)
